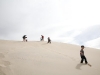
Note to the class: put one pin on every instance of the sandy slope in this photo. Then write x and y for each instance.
(40, 58)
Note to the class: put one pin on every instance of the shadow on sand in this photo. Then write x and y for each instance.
(78, 66)
(44, 44)
(1, 55)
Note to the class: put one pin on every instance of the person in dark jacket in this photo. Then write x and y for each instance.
(24, 38)
(49, 40)
(82, 55)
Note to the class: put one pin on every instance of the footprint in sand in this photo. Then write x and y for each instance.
(1, 55)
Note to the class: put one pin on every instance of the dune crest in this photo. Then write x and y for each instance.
(40, 58)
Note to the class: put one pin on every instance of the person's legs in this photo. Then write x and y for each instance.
(50, 41)
(82, 59)
(23, 39)
(26, 40)
(42, 39)
(85, 60)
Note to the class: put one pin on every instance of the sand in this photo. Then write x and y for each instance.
(40, 58)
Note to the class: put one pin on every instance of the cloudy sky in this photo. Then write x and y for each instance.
(68, 21)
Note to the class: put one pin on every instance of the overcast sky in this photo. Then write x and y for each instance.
(69, 21)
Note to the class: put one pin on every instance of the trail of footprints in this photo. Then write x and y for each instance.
(24, 58)
(74, 59)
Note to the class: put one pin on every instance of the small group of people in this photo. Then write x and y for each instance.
(42, 39)
(49, 41)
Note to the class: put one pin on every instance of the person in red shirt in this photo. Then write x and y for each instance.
(42, 38)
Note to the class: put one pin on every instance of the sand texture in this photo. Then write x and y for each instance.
(40, 58)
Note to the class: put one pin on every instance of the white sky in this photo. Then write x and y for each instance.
(62, 20)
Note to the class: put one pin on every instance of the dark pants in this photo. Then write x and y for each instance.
(49, 41)
(42, 39)
(83, 58)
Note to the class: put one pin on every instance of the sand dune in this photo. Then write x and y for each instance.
(40, 58)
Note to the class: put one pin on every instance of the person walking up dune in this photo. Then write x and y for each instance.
(49, 40)
(82, 55)
(42, 38)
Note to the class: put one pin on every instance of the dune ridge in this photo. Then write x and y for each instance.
(40, 58)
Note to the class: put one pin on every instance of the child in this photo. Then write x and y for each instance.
(82, 55)
(49, 40)
(42, 38)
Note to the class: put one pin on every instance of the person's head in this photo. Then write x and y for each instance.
(82, 47)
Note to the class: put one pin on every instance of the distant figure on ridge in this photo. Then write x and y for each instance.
(82, 55)
(42, 38)
(49, 40)
(24, 38)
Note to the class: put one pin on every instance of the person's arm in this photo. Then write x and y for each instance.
(81, 53)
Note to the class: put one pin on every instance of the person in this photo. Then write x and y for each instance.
(24, 38)
(49, 40)
(42, 38)
(82, 55)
